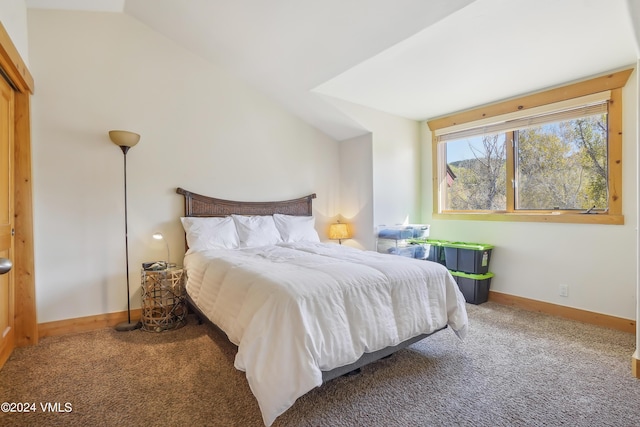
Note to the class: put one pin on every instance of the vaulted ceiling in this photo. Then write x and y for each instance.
(413, 58)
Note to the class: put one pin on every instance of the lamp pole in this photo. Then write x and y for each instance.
(125, 140)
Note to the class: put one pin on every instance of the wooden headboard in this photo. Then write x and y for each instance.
(199, 205)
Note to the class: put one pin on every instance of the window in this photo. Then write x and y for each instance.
(557, 160)
(477, 173)
(563, 164)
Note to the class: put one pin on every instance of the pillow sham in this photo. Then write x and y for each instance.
(210, 233)
(296, 228)
(257, 230)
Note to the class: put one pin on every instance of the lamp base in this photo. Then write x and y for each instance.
(128, 326)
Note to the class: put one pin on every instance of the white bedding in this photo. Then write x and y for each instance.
(296, 309)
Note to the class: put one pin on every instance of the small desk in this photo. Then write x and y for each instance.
(163, 299)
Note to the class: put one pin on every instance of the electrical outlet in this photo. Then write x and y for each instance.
(564, 290)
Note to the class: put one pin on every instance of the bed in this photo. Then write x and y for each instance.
(302, 312)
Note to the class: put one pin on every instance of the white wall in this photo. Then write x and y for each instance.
(356, 192)
(13, 15)
(531, 260)
(201, 129)
(396, 168)
(395, 159)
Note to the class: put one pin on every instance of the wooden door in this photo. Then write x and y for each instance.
(7, 295)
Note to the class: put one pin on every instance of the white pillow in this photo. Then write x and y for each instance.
(210, 233)
(257, 230)
(296, 228)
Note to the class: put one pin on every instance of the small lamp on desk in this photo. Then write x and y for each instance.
(159, 236)
(339, 231)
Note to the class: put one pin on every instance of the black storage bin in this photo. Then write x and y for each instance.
(474, 287)
(472, 258)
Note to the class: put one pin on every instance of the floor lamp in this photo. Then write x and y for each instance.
(126, 140)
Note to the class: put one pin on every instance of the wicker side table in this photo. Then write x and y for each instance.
(163, 299)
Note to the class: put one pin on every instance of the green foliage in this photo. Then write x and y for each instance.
(560, 165)
(590, 134)
(480, 182)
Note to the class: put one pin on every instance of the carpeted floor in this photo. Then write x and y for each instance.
(515, 368)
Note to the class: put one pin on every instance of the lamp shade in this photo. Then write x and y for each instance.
(339, 231)
(124, 138)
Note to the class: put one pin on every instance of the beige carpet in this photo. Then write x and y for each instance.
(514, 369)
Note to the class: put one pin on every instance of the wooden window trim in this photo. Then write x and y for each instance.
(613, 82)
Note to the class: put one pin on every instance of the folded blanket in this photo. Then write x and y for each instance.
(388, 233)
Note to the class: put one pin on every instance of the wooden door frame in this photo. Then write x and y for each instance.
(12, 65)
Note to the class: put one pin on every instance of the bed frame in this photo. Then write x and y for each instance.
(199, 205)
(204, 206)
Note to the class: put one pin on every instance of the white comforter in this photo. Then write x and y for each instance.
(296, 309)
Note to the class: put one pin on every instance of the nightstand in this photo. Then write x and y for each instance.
(163, 299)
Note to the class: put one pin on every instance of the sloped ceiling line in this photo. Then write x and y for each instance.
(416, 59)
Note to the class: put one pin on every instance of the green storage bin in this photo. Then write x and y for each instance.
(472, 258)
(474, 287)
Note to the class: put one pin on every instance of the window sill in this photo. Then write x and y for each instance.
(566, 218)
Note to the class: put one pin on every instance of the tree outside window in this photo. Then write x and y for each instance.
(557, 166)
